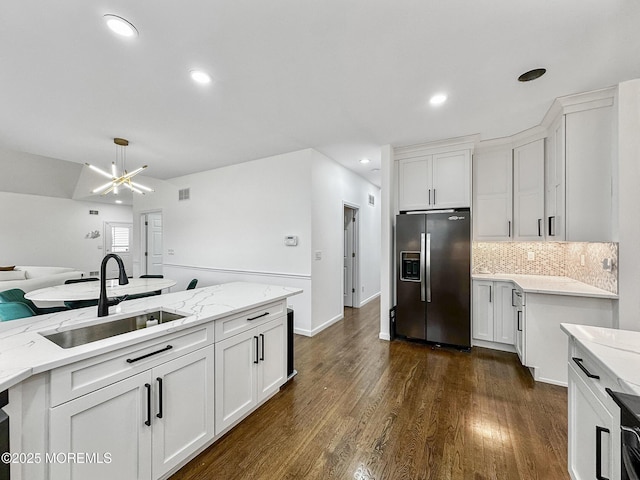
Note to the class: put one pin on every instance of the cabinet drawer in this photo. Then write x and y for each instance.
(235, 324)
(80, 378)
(585, 364)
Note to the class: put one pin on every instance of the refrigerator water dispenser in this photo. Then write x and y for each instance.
(410, 262)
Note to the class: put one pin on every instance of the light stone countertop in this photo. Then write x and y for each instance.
(548, 284)
(25, 352)
(618, 352)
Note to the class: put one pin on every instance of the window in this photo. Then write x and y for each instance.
(120, 239)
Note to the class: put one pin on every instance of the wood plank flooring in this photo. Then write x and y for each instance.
(362, 408)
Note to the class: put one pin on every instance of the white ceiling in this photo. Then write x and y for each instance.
(340, 76)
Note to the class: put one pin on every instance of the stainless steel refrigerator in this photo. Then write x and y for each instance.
(433, 297)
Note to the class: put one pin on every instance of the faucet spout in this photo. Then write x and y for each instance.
(104, 302)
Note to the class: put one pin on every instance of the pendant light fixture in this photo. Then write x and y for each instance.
(124, 178)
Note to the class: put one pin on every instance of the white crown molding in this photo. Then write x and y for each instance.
(467, 142)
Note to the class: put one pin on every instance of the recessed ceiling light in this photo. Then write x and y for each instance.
(365, 160)
(532, 74)
(120, 26)
(438, 99)
(200, 77)
(118, 201)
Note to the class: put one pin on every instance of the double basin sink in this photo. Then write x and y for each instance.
(80, 336)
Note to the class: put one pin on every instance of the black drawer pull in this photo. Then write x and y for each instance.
(131, 360)
(259, 316)
(599, 431)
(159, 414)
(148, 420)
(584, 369)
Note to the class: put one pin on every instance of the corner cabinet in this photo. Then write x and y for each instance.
(436, 181)
(494, 315)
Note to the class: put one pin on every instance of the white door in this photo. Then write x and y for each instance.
(111, 420)
(153, 247)
(183, 412)
(414, 183)
(349, 256)
(117, 239)
(272, 371)
(504, 327)
(492, 195)
(451, 180)
(235, 379)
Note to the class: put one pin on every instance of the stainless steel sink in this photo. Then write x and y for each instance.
(80, 336)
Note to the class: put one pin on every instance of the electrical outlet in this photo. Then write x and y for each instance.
(582, 260)
(531, 256)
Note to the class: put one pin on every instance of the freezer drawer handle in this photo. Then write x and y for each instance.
(259, 316)
(584, 369)
(599, 431)
(132, 360)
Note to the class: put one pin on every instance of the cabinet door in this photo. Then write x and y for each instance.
(554, 181)
(528, 191)
(492, 195)
(110, 420)
(589, 153)
(483, 296)
(272, 371)
(519, 317)
(504, 313)
(414, 183)
(451, 185)
(589, 421)
(184, 408)
(236, 361)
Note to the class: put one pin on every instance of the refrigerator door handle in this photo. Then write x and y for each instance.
(428, 275)
(422, 267)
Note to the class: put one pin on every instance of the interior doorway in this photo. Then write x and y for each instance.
(350, 257)
(151, 243)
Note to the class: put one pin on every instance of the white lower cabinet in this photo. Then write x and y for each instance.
(250, 367)
(594, 419)
(493, 312)
(147, 423)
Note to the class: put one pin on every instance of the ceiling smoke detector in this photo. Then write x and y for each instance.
(532, 74)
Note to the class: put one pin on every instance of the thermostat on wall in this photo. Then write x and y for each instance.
(291, 240)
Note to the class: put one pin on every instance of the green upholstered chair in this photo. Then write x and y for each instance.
(73, 304)
(14, 310)
(17, 295)
(147, 294)
(192, 284)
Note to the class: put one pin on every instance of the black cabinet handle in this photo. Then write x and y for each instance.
(429, 196)
(259, 316)
(434, 196)
(584, 369)
(513, 304)
(539, 227)
(519, 317)
(159, 414)
(262, 340)
(490, 293)
(599, 431)
(131, 360)
(256, 352)
(552, 226)
(509, 224)
(148, 421)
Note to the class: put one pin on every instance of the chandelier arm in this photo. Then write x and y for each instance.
(100, 171)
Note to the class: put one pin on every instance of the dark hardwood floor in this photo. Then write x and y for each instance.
(362, 408)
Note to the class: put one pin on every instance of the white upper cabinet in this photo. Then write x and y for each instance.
(492, 195)
(441, 180)
(555, 181)
(589, 153)
(528, 191)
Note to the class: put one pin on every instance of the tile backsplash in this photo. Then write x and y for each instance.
(550, 258)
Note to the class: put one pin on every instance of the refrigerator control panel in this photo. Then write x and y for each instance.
(410, 266)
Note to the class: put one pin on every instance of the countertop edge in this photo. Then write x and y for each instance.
(513, 278)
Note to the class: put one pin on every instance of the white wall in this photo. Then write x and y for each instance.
(234, 224)
(387, 235)
(628, 204)
(333, 185)
(50, 231)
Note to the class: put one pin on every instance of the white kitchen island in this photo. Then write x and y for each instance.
(141, 404)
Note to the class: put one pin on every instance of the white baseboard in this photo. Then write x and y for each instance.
(318, 329)
(384, 336)
(372, 297)
(503, 347)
